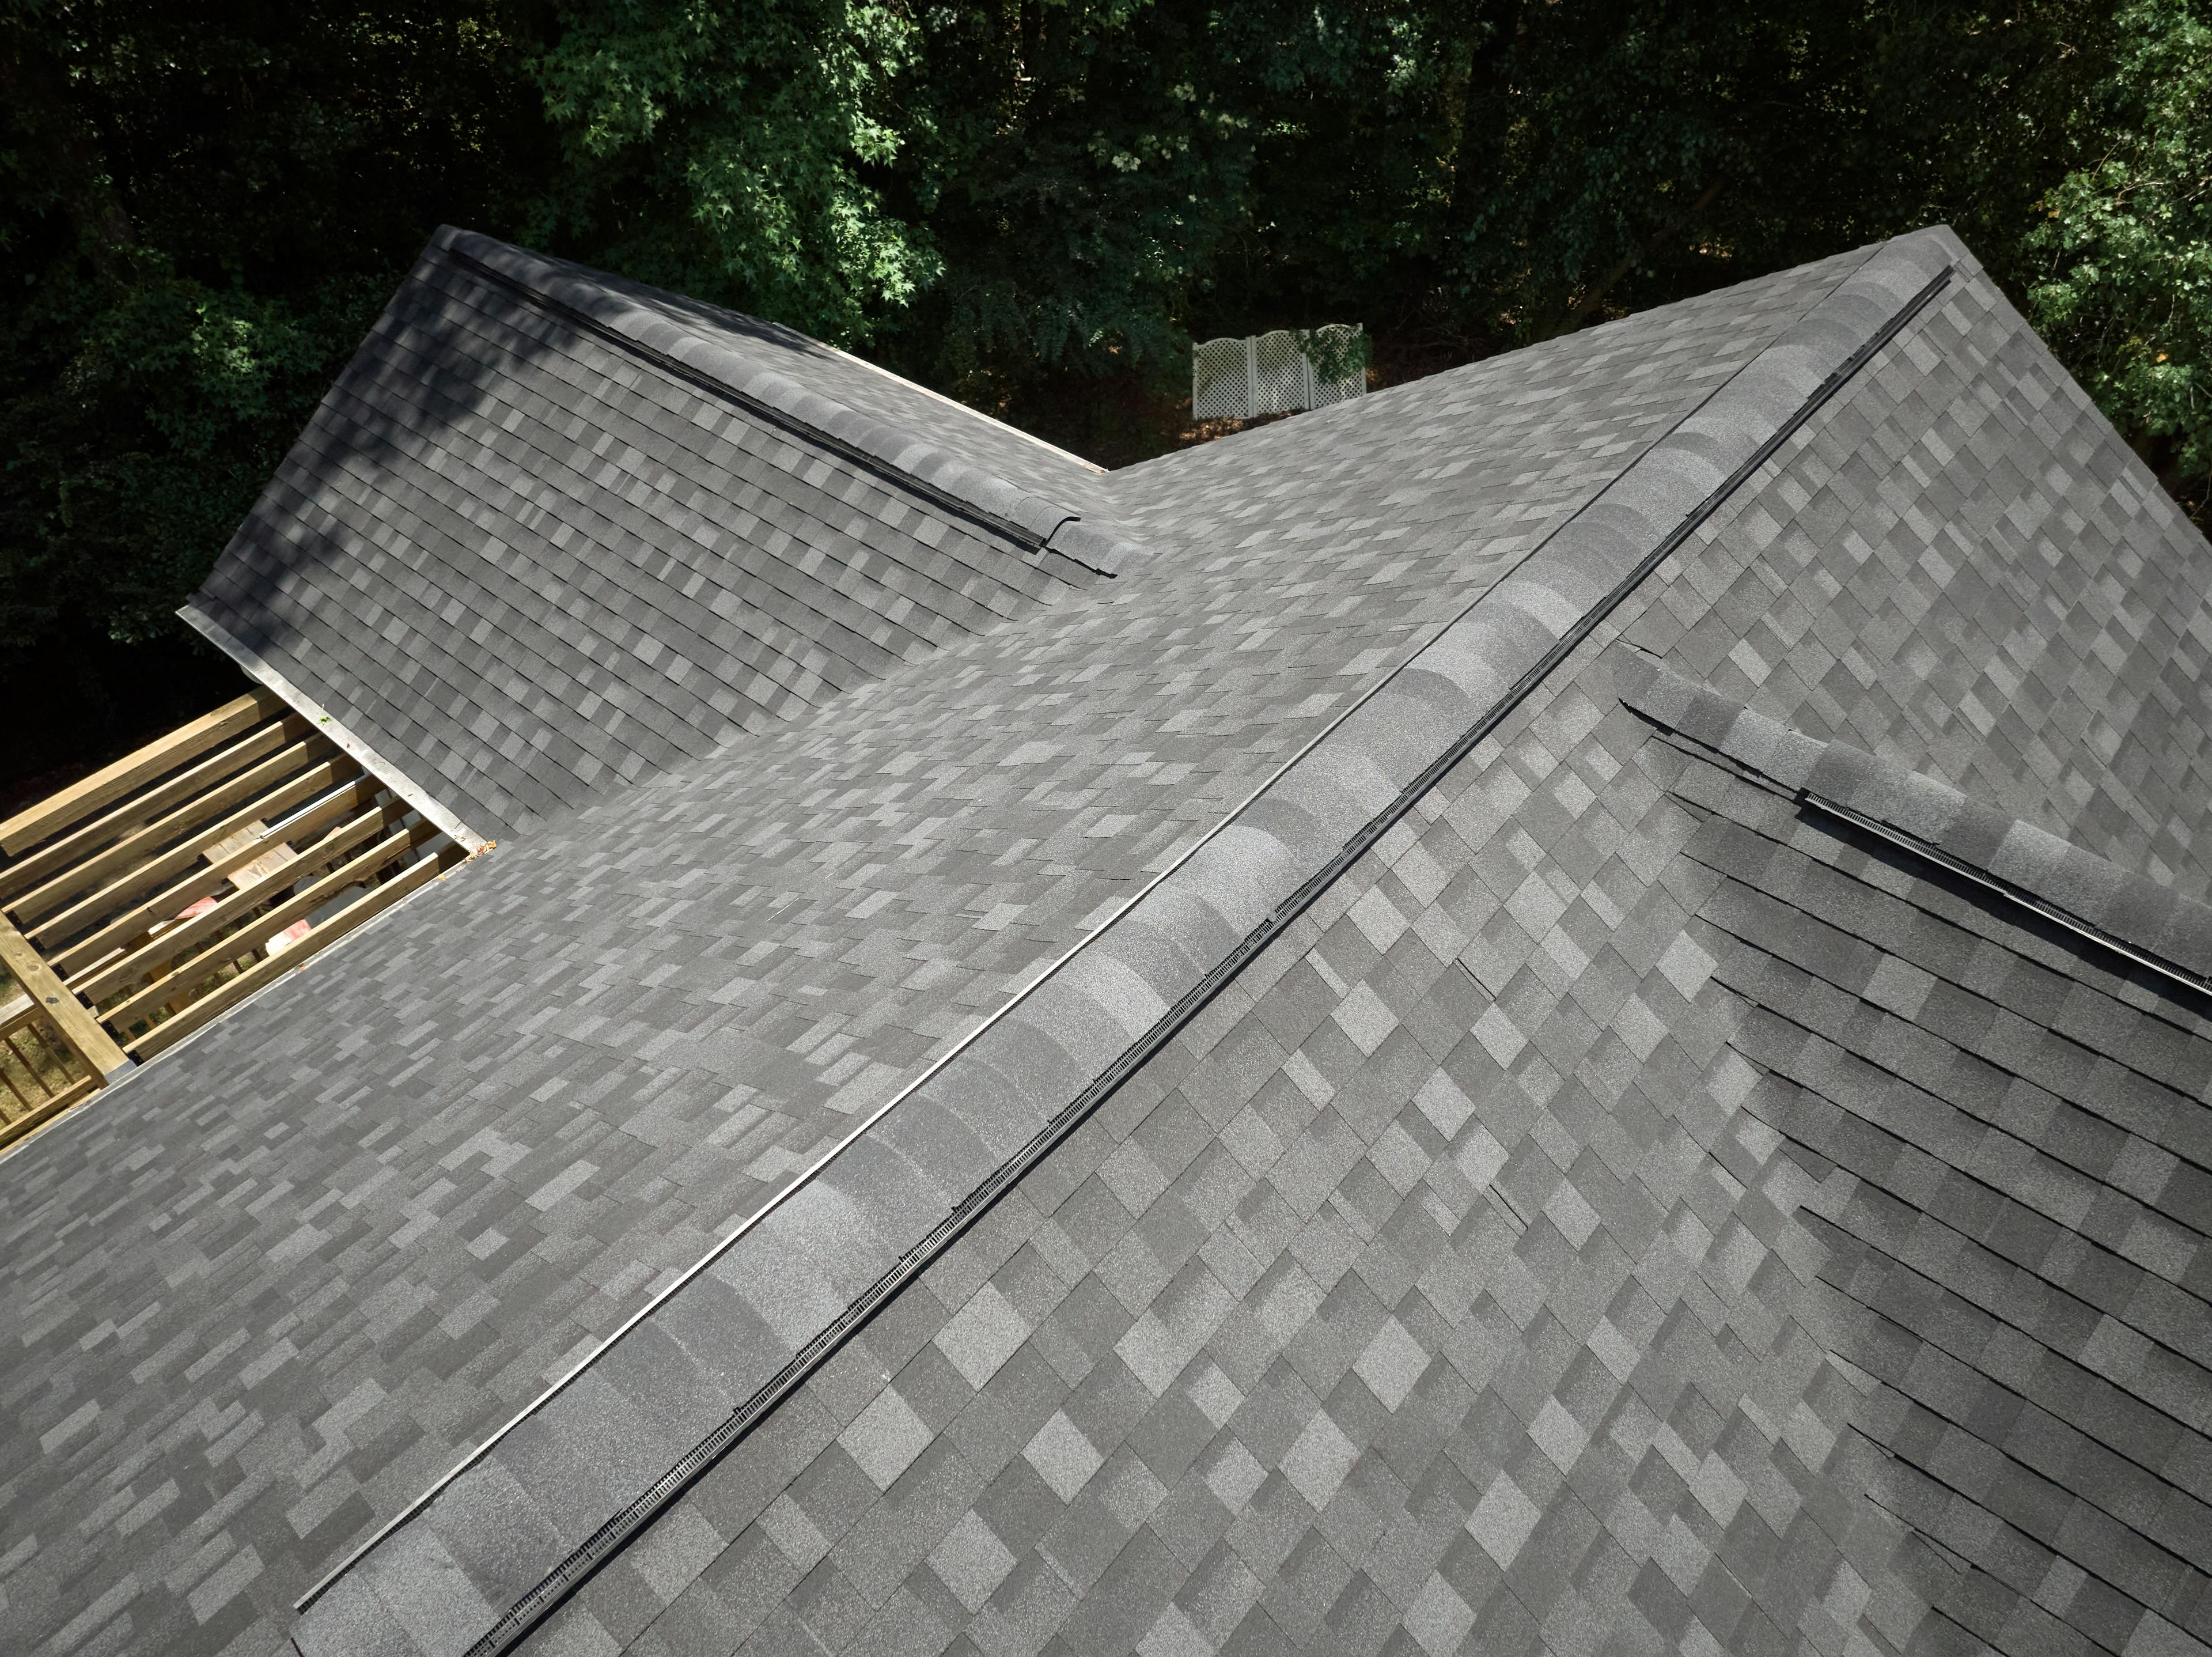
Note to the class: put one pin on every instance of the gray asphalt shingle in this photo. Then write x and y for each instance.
(1622, 1208)
(1565, 1149)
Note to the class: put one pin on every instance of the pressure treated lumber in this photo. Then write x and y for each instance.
(167, 945)
(190, 973)
(173, 861)
(371, 904)
(110, 783)
(135, 850)
(133, 813)
(40, 1115)
(135, 923)
(78, 1027)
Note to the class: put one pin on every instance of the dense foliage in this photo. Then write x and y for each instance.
(2124, 244)
(720, 150)
(1033, 204)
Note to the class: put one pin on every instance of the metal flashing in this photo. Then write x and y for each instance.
(257, 667)
(894, 457)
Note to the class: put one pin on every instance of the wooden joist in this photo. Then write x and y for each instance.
(110, 784)
(257, 931)
(97, 984)
(131, 925)
(367, 907)
(135, 813)
(188, 825)
(91, 910)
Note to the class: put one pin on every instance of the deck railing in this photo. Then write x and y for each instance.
(42, 1075)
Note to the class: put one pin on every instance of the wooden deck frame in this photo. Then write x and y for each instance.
(131, 925)
(181, 833)
(101, 980)
(91, 908)
(143, 902)
(367, 907)
(254, 935)
(137, 812)
(80, 800)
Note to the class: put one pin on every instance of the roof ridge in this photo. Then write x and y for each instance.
(2119, 908)
(477, 1560)
(894, 455)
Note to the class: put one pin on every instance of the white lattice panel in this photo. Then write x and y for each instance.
(1271, 373)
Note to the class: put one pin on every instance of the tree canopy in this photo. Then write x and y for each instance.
(1034, 204)
(2120, 257)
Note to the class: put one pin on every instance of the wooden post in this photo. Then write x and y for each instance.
(71, 1016)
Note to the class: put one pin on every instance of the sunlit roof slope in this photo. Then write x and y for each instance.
(1380, 980)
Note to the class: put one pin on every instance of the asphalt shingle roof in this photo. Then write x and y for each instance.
(1403, 1303)
(1490, 1194)
(541, 565)
(1631, 1209)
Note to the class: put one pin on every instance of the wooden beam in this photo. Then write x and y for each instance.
(166, 945)
(40, 1115)
(110, 783)
(78, 1027)
(136, 875)
(141, 809)
(170, 1031)
(165, 904)
(261, 928)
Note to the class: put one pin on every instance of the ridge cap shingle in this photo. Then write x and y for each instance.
(2089, 893)
(475, 1562)
(1022, 514)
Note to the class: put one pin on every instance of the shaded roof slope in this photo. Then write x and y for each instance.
(990, 446)
(538, 541)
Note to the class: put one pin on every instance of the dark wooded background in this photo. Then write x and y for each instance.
(1033, 206)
